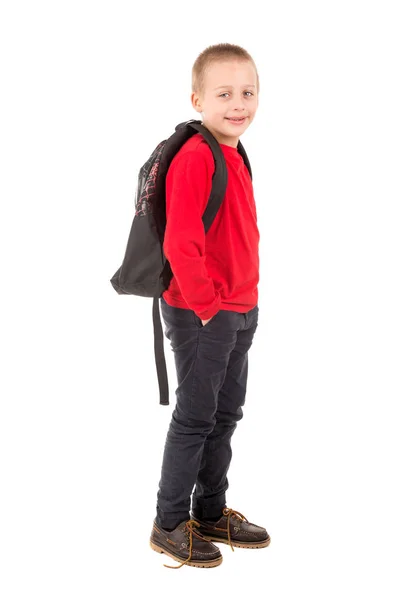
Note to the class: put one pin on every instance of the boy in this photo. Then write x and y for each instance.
(210, 312)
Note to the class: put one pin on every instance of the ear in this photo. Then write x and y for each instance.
(195, 99)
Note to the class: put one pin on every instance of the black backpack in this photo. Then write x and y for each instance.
(145, 271)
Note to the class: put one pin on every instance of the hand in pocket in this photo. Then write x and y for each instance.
(206, 321)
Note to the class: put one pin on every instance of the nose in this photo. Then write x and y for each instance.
(238, 105)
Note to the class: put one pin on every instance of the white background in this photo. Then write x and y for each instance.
(88, 91)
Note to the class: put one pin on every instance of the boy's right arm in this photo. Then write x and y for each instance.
(188, 186)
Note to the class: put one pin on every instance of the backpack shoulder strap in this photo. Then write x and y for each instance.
(220, 177)
(243, 154)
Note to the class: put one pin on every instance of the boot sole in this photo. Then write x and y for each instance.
(191, 563)
(261, 544)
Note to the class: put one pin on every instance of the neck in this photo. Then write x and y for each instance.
(222, 139)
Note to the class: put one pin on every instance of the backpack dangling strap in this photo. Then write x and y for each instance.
(159, 353)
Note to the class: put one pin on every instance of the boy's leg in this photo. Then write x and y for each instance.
(201, 357)
(212, 482)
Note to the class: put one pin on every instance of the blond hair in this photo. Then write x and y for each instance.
(217, 53)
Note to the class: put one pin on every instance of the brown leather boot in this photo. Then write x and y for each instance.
(234, 529)
(185, 545)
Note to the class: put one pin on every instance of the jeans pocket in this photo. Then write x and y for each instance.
(198, 322)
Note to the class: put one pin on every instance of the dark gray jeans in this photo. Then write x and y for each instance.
(212, 366)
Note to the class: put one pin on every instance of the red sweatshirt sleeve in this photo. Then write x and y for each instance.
(188, 186)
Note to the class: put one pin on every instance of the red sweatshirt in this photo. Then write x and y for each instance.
(220, 269)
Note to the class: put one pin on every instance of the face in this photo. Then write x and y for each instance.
(230, 90)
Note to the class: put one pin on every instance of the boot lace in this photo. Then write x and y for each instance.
(189, 528)
(234, 514)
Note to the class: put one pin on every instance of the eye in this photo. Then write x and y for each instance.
(224, 94)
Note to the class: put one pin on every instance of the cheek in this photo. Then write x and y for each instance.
(217, 108)
(221, 111)
(216, 114)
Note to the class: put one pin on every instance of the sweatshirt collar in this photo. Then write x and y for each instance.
(232, 154)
